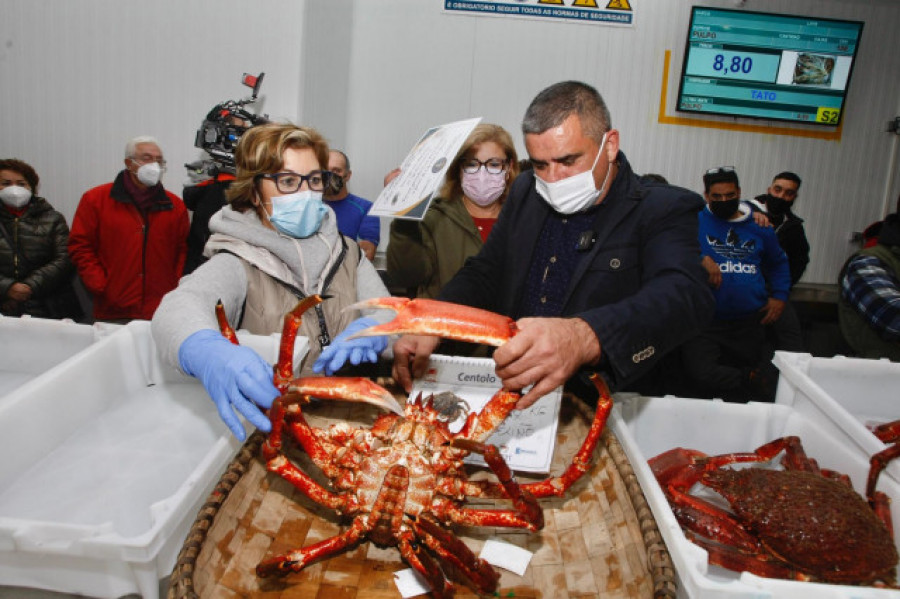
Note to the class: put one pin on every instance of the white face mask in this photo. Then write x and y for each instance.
(576, 193)
(15, 197)
(149, 174)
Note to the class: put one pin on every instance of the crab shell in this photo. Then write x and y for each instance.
(813, 523)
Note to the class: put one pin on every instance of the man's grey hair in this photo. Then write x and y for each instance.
(346, 160)
(554, 105)
(131, 146)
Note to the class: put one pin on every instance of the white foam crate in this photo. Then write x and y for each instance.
(844, 395)
(647, 427)
(30, 347)
(108, 459)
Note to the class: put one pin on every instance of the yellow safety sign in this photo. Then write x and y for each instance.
(618, 5)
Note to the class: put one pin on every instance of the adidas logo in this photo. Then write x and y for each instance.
(737, 268)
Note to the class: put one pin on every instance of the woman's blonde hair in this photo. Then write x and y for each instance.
(452, 187)
(260, 151)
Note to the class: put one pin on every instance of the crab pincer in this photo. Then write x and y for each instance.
(352, 389)
(440, 319)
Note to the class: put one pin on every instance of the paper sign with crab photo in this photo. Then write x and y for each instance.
(526, 438)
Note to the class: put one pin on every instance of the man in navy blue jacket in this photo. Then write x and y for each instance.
(600, 270)
(751, 278)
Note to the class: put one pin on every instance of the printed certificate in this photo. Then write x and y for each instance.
(410, 193)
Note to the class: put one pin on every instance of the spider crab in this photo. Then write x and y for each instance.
(802, 522)
(403, 480)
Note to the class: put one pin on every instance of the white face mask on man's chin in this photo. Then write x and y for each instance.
(576, 193)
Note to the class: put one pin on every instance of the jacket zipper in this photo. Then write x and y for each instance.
(15, 248)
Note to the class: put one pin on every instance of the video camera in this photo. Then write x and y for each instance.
(220, 131)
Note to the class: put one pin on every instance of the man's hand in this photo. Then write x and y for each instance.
(712, 269)
(761, 219)
(545, 352)
(411, 353)
(368, 249)
(772, 310)
(19, 292)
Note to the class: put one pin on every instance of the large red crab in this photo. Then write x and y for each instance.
(801, 522)
(403, 481)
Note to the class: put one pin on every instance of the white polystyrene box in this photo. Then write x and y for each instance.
(647, 427)
(30, 347)
(842, 394)
(108, 459)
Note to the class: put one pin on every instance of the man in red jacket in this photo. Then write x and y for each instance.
(129, 237)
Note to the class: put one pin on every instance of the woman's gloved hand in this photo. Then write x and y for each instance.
(361, 349)
(235, 377)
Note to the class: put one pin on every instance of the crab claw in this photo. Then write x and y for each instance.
(440, 319)
(345, 389)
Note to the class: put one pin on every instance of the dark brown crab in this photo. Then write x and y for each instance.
(802, 522)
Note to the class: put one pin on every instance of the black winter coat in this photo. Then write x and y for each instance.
(792, 239)
(42, 235)
(640, 286)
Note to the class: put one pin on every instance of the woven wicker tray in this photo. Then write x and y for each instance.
(599, 540)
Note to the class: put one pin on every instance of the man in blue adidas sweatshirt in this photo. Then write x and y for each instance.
(751, 279)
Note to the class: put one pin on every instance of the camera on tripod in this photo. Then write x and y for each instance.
(222, 128)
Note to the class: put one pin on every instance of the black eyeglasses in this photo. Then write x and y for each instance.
(720, 169)
(494, 166)
(291, 182)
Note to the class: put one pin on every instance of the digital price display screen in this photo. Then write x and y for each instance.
(767, 65)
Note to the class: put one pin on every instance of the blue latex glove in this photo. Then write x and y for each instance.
(235, 377)
(363, 349)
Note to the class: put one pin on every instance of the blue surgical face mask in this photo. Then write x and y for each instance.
(299, 214)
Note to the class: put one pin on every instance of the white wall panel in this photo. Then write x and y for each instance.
(80, 77)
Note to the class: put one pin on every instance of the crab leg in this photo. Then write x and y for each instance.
(879, 501)
(341, 389)
(416, 556)
(279, 464)
(479, 426)
(581, 463)
(527, 512)
(354, 389)
(757, 563)
(382, 525)
(889, 432)
(284, 370)
(298, 559)
(225, 328)
(451, 550)
(440, 319)
(525, 503)
(677, 470)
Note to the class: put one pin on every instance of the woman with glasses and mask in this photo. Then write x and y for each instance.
(35, 270)
(426, 254)
(274, 243)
